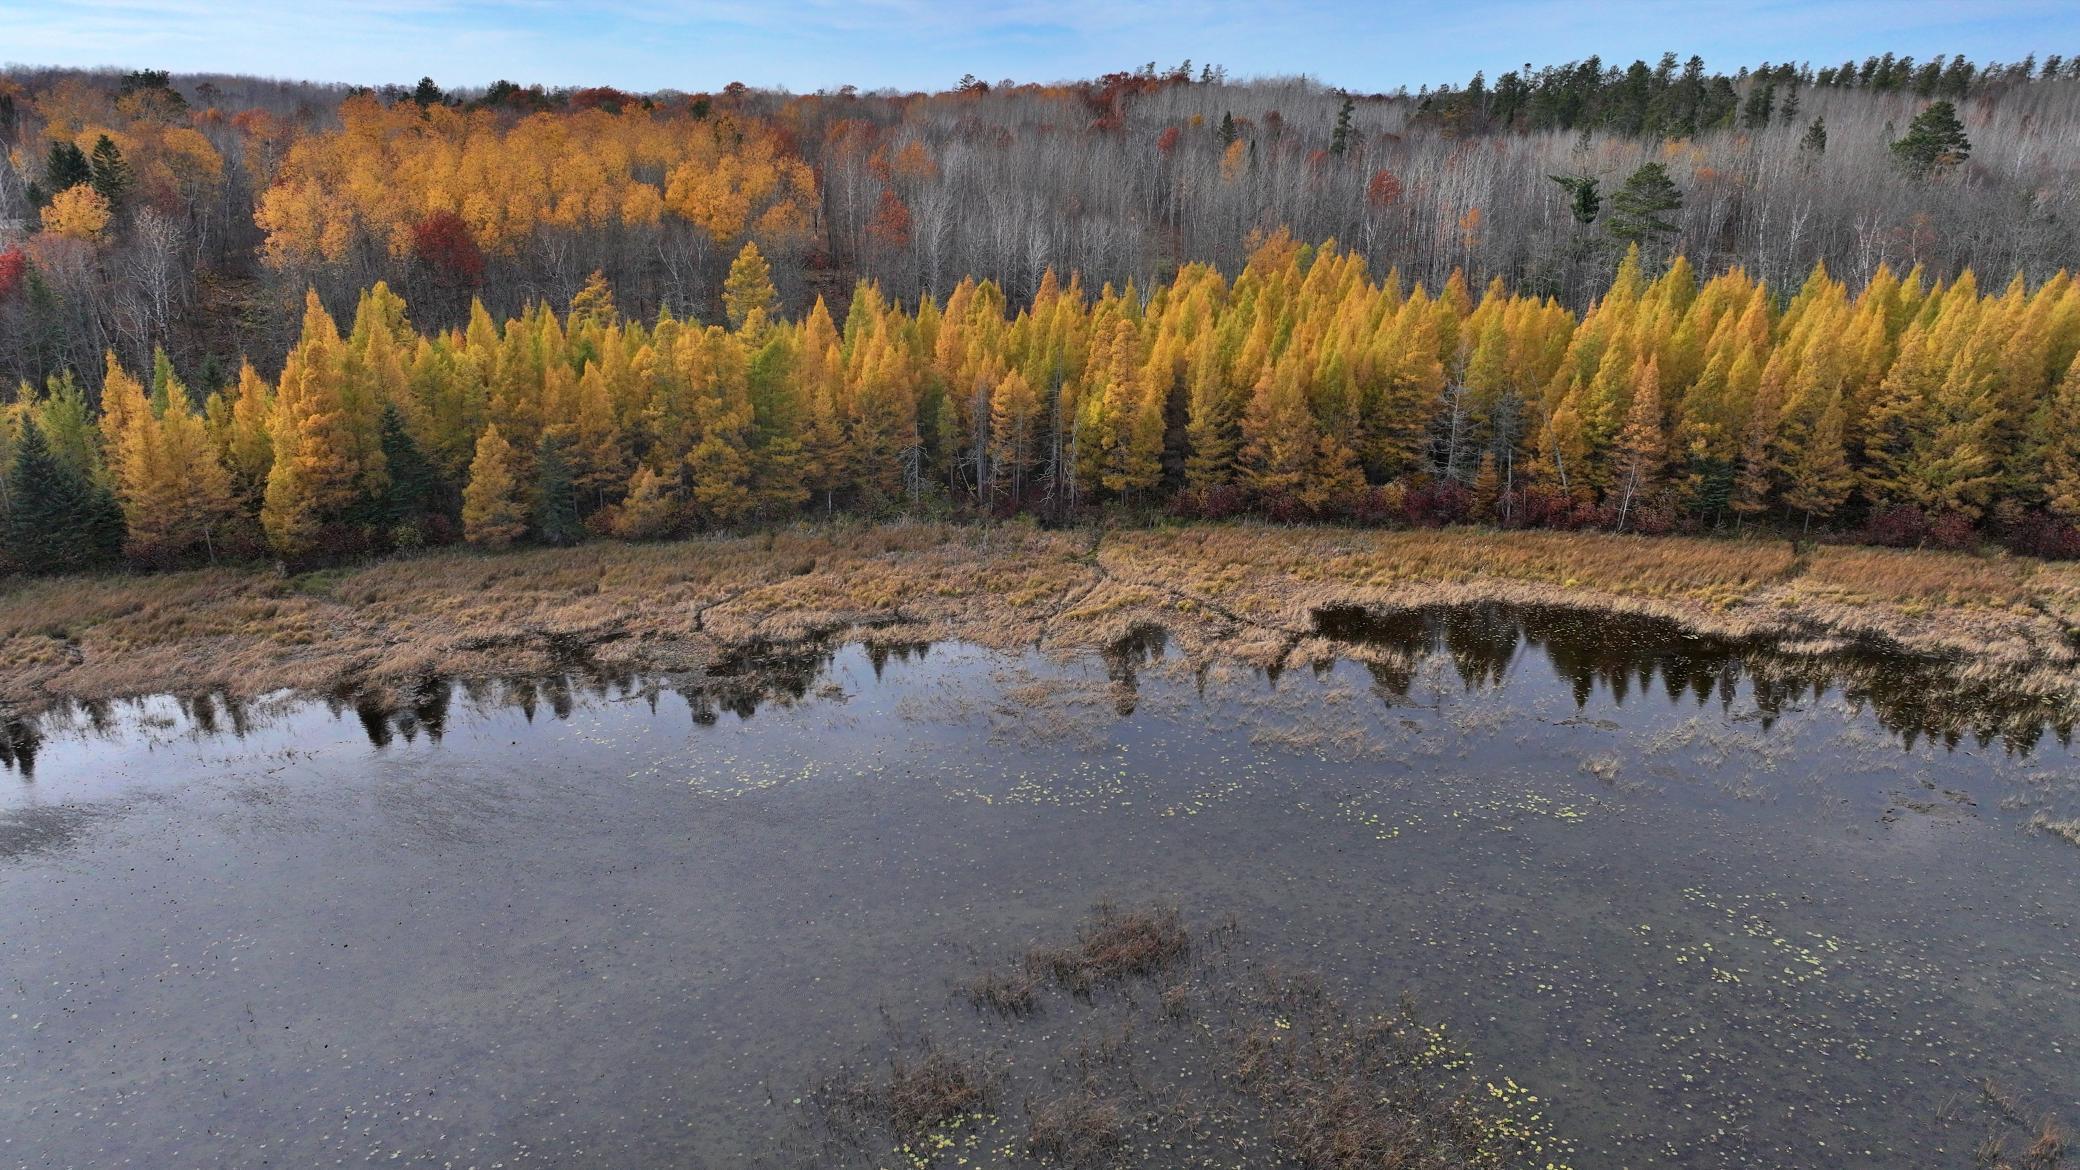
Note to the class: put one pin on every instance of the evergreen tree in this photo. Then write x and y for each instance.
(1815, 140)
(414, 492)
(1934, 142)
(58, 521)
(1640, 209)
(1344, 135)
(1584, 202)
(110, 175)
(67, 167)
(556, 500)
(1761, 104)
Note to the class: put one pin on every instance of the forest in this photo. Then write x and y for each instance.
(243, 317)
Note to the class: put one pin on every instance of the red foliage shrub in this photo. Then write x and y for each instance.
(1377, 506)
(1167, 140)
(1287, 509)
(2041, 535)
(14, 269)
(442, 242)
(1384, 190)
(1214, 503)
(1436, 503)
(1901, 527)
(1954, 531)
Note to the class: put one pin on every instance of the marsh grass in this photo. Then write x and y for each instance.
(2067, 831)
(1243, 593)
(1114, 945)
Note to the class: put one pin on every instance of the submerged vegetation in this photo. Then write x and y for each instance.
(1166, 1046)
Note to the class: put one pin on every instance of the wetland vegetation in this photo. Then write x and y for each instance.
(1408, 849)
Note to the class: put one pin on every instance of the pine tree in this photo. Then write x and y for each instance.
(1640, 209)
(1815, 140)
(1584, 201)
(110, 175)
(1341, 138)
(59, 521)
(1934, 142)
(65, 168)
(494, 505)
(556, 501)
(413, 496)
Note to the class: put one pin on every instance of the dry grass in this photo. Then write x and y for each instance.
(1081, 1129)
(1115, 945)
(929, 1093)
(1009, 996)
(2067, 831)
(1243, 593)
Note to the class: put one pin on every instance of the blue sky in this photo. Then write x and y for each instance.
(804, 45)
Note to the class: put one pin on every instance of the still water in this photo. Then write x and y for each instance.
(1716, 905)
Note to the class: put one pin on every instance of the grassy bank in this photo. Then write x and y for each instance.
(1241, 592)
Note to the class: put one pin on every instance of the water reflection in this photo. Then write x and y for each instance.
(19, 739)
(1628, 654)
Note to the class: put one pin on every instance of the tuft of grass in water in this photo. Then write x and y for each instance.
(1081, 1129)
(1115, 945)
(923, 1095)
(2067, 831)
(1010, 996)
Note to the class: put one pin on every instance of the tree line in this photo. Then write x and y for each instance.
(147, 211)
(1303, 388)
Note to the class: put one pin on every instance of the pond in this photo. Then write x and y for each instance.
(1715, 904)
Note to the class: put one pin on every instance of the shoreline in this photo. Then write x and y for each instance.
(1244, 593)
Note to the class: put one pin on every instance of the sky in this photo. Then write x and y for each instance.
(805, 45)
